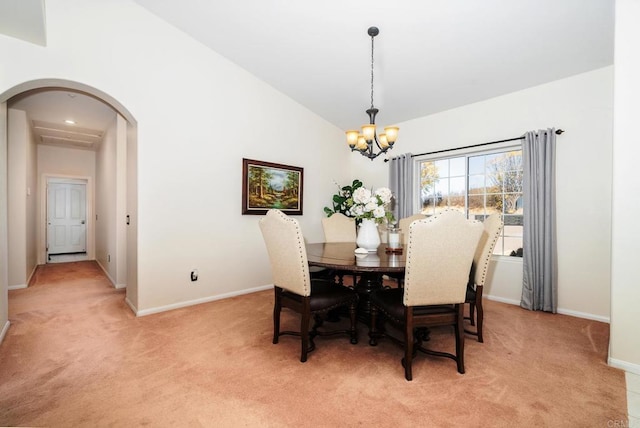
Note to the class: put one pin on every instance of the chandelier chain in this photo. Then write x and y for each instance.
(372, 71)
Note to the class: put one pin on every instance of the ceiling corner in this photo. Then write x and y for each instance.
(24, 19)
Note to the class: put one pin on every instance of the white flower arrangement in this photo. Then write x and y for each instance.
(371, 205)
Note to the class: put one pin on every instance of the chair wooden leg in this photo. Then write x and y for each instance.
(408, 343)
(472, 307)
(277, 308)
(305, 318)
(480, 316)
(460, 338)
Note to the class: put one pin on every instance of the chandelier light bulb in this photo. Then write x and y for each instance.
(369, 132)
(382, 139)
(392, 133)
(362, 143)
(352, 138)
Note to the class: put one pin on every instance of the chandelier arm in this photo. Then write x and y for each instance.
(382, 150)
(372, 155)
(369, 151)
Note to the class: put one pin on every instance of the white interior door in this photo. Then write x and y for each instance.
(66, 218)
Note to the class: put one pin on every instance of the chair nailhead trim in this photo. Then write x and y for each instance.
(300, 246)
(490, 252)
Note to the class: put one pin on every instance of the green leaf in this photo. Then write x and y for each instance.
(343, 200)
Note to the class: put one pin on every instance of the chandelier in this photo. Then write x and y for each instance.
(363, 142)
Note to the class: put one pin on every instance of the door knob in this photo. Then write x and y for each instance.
(82, 222)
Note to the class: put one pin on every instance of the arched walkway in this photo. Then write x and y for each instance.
(128, 193)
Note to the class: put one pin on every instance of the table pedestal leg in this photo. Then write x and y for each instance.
(368, 282)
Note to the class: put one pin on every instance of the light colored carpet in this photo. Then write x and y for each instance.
(75, 355)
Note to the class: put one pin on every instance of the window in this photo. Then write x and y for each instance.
(479, 184)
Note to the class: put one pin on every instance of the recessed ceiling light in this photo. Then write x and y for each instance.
(70, 122)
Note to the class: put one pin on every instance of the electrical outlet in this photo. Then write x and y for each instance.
(194, 275)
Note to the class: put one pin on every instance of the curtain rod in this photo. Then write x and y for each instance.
(558, 132)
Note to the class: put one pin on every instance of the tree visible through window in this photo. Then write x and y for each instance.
(479, 184)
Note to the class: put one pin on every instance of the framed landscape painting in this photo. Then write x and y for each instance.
(267, 185)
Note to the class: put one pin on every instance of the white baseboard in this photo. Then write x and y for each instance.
(561, 311)
(131, 305)
(585, 315)
(159, 309)
(21, 286)
(502, 300)
(624, 365)
(119, 286)
(3, 333)
(33, 271)
(106, 273)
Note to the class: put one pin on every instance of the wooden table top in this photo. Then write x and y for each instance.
(341, 256)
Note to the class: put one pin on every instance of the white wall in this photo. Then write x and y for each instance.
(121, 203)
(32, 214)
(22, 204)
(18, 137)
(64, 161)
(582, 105)
(105, 219)
(131, 216)
(198, 115)
(624, 345)
(111, 251)
(4, 262)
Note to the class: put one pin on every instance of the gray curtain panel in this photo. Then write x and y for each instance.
(540, 280)
(401, 185)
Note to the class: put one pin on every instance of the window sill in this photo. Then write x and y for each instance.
(507, 259)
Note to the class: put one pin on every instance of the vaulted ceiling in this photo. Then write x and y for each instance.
(430, 56)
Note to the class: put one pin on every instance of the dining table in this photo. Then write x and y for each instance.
(369, 267)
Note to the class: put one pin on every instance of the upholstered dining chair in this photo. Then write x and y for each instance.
(439, 256)
(404, 224)
(294, 289)
(339, 228)
(493, 225)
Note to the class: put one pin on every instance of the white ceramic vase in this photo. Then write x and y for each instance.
(368, 236)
